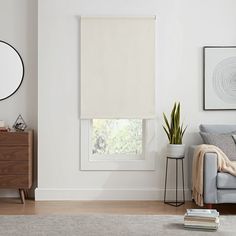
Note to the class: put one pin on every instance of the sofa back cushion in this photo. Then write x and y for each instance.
(224, 141)
(217, 129)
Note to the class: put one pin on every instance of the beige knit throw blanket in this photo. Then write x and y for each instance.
(223, 165)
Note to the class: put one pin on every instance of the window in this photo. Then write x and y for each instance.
(117, 100)
(117, 144)
(117, 136)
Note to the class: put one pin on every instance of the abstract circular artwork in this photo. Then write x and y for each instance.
(224, 80)
(219, 78)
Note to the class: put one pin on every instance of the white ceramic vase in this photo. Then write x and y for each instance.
(175, 150)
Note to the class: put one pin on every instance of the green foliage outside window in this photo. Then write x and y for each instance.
(113, 136)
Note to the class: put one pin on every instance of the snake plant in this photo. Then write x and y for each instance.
(173, 128)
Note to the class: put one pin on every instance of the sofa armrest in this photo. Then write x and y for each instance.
(191, 150)
(210, 174)
(210, 178)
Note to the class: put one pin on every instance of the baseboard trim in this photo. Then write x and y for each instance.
(57, 194)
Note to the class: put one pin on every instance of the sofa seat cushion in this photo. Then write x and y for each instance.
(226, 181)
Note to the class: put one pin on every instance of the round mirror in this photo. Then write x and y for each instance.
(11, 70)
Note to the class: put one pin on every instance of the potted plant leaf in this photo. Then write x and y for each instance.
(175, 133)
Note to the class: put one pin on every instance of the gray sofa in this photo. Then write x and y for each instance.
(218, 187)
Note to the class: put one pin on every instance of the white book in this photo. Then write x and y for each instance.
(202, 212)
(199, 218)
(201, 227)
(201, 224)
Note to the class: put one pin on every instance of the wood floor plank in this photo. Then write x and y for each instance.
(14, 207)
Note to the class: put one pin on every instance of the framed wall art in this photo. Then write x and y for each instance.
(219, 78)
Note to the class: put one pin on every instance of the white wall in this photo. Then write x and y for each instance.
(183, 28)
(18, 26)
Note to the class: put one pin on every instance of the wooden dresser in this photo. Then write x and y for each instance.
(16, 157)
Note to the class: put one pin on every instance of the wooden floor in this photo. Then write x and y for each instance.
(14, 207)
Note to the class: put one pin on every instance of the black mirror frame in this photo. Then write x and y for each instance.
(23, 72)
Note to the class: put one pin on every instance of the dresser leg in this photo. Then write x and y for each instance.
(26, 192)
(22, 196)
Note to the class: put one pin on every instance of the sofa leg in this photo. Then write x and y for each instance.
(208, 206)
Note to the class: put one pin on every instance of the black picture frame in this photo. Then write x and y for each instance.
(205, 78)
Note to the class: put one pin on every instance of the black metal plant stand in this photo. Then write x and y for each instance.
(175, 203)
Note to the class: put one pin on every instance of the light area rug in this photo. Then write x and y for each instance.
(104, 225)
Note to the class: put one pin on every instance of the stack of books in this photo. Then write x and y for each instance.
(4, 129)
(201, 219)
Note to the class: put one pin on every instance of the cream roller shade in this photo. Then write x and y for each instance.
(117, 67)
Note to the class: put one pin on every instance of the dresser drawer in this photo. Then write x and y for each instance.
(15, 181)
(14, 167)
(14, 138)
(14, 153)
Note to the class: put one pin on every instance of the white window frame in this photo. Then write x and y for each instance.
(144, 161)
